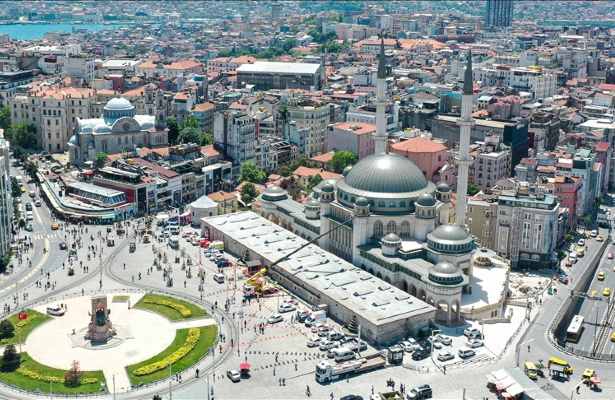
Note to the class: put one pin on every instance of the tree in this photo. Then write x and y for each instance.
(10, 359)
(15, 189)
(72, 377)
(190, 122)
(7, 330)
(22, 135)
(189, 135)
(251, 173)
(101, 159)
(313, 181)
(156, 397)
(4, 263)
(206, 139)
(472, 189)
(248, 193)
(5, 118)
(342, 159)
(173, 130)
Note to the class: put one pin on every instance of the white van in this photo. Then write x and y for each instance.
(342, 354)
(29, 216)
(219, 278)
(174, 242)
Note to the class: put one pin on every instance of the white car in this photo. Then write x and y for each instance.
(56, 311)
(286, 307)
(474, 343)
(581, 242)
(233, 375)
(594, 233)
(275, 318)
(326, 345)
(445, 356)
(466, 353)
(409, 347)
(445, 340)
(313, 342)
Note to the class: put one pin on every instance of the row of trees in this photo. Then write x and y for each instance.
(188, 132)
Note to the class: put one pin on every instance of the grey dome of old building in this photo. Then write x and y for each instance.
(386, 173)
(274, 193)
(445, 273)
(426, 200)
(361, 202)
(443, 187)
(450, 239)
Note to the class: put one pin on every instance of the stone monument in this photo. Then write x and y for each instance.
(100, 329)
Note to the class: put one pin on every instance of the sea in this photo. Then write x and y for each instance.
(37, 31)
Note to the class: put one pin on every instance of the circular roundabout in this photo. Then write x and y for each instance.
(103, 343)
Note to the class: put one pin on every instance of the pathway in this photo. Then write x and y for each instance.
(116, 373)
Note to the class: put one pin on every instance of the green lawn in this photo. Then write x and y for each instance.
(120, 299)
(34, 319)
(37, 385)
(170, 312)
(206, 340)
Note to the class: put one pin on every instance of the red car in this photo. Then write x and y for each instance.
(204, 243)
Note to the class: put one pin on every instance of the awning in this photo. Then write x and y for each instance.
(514, 390)
(496, 376)
(244, 365)
(595, 380)
(505, 383)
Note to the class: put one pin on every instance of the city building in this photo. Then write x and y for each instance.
(118, 130)
(265, 75)
(235, 137)
(354, 137)
(6, 199)
(428, 154)
(492, 162)
(527, 228)
(499, 13)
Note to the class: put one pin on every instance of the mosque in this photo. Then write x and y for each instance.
(386, 218)
(119, 129)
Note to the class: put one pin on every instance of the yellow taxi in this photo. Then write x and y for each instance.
(606, 291)
(594, 293)
(613, 336)
(601, 275)
(55, 226)
(23, 189)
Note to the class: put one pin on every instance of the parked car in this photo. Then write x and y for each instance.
(275, 318)
(563, 278)
(351, 397)
(445, 356)
(300, 316)
(581, 242)
(335, 335)
(356, 346)
(420, 393)
(594, 233)
(610, 255)
(409, 347)
(286, 307)
(55, 311)
(313, 342)
(445, 340)
(474, 343)
(466, 353)
(233, 375)
(29, 227)
(63, 246)
(421, 354)
(326, 345)
(471, 333)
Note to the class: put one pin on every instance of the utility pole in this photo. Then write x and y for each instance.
(170, 383)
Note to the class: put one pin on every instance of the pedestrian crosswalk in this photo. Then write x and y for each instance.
(50, 236)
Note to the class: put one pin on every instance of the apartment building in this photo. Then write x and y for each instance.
(492, 162)
(540, 83)
(527, 228)
(235, 136)
(357, 138)
(6, 201)
(316, 117)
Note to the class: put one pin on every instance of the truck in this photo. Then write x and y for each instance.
(559, 368)
(328, 371)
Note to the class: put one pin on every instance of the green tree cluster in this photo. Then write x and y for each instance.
(251, 173)
(101, 159)
(248, 193)
(342, 159)
(188, 132)
(22, 135)
(7, 330)
(10, 359)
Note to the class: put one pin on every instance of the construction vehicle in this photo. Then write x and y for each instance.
(559, 368)
(328, 371)
(257, 285)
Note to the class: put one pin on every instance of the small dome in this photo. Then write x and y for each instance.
(445, 273)
(274, 193)
(313, 203)
(328, 188)
(450, 232)
(426, 200)
(346, 170)
(445, 268)
(118, 104)
(391, 238)
(318, 187)
(361, 202)
(443, 187)
(102, 128)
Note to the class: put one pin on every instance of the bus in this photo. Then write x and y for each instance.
(575, 329)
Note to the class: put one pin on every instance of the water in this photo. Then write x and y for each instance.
(37, 31)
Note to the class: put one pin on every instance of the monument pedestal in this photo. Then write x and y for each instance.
(100, 329)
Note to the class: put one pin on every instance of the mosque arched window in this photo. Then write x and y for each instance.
(405, 230)
(392, 227)
(378, 228)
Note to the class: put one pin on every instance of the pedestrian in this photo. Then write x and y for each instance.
(578, 388)
(528, 348)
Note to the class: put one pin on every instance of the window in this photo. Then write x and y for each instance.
(391, 227)
(378, 229)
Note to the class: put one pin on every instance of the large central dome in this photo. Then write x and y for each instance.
(386, 173)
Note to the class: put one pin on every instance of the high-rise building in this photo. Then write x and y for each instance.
(499, 13)
(6, 203)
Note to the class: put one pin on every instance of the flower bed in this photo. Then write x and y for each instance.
(169, 307)
(183, 310)
(24, 327)
(189, 344)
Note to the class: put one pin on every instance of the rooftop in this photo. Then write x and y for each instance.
(279, 68)
(319, 271)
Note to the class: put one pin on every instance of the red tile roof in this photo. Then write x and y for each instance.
(307, 172)
(418, 145)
